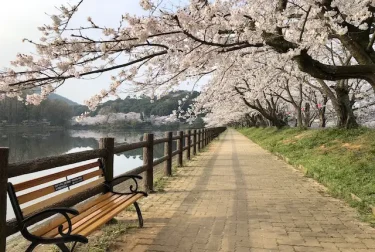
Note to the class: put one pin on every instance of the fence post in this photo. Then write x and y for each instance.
(148, 160)
(168, 152)
(204, 137)
(188, 143)
(195, 142)
(199, 140)
(108, 144)
(207, 136)
(180, 147)
(4, 154)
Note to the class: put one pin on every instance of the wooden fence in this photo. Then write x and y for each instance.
(193, 139)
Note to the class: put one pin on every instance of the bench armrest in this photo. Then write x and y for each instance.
(132, 188)
(62, 210)
(65, 237)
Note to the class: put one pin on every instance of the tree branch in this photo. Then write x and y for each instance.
(304, 24)
(59, 78)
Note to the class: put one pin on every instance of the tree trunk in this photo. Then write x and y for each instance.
(344, 111)
(251, 120)
(261, 122)
(272, 117)
(322, 119)
(299, 117)
(307, 117)
(278, 123)
(322, 113)
(275, 122)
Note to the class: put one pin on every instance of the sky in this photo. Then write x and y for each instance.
(19, 19)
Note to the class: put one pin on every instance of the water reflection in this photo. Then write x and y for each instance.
(28, 146)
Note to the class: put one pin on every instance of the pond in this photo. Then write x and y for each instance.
(31, 145)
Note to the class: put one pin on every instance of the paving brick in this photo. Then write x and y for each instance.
(286, 248)
(238, 197)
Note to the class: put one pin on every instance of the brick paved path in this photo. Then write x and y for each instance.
(238, 197)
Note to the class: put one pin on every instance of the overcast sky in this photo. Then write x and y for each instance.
(20, 18)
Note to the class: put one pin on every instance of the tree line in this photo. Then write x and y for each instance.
(59, 113)
(147, 106)
(56, 112)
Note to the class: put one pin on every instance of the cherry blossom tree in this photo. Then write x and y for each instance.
(228, 40)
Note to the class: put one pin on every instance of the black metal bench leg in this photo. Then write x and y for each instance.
(140, 218)
(73, 247)
(32, 247)
(63, 247)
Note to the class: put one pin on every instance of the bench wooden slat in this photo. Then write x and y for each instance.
(51, 189)
(36, 194)
(61, 197)
(48, 191)
(104, 219)
(85, 222)
(82, 207)
(38, 181)
(87, 215)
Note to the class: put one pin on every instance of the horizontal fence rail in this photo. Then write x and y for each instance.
(41, 164)
(191, 139)
(128, 147)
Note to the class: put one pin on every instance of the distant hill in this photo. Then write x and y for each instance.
(140, 112)
(159, 107)
(59, 110)
(62, 98)
(54, 96)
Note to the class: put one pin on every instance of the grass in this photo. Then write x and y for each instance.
(160, 184)
(342, 160)
(108, 234)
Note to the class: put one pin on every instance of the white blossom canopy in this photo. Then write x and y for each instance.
(266, 41)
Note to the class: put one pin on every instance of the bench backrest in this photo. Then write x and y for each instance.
(33, 195)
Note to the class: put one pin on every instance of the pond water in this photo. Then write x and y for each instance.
(31, 145)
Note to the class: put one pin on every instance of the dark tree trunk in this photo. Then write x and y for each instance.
(261, 121)
(270, 112)
(251, 120)
(322, 119)
(341, 104)
(322, 113)
(278, 121)
(344, 111)
(307, 117)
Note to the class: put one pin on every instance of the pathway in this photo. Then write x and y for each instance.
(238, 197)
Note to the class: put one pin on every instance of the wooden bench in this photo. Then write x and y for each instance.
(72, 224)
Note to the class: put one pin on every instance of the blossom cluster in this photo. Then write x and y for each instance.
(274, 54)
